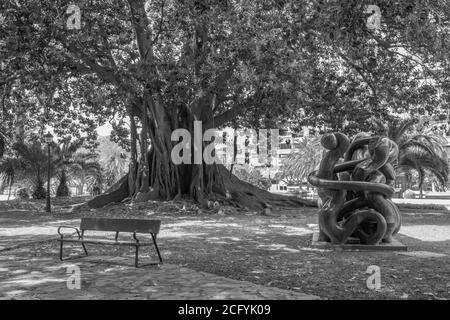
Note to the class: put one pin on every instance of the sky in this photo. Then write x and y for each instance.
(104, 130)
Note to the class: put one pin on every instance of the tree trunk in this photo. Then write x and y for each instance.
(201, 182)
(9, 191)
(116, 195)
(133, 157)
(421, 180)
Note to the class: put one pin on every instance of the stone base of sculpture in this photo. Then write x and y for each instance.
(353, 244)
(355, 184)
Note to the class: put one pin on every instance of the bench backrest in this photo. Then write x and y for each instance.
(121, 225)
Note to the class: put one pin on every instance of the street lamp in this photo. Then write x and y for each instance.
(268, 165)
(48, 139)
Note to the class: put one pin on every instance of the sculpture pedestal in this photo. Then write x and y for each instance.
(354, 245)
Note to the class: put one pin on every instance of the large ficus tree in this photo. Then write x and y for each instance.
(161, 65)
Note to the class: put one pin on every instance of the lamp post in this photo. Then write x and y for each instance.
(268, 165)
(48, 139)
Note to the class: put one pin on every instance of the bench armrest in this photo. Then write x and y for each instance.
(134, 236)
(68, 227)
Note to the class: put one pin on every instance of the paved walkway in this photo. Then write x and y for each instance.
(19, 227)
(24, 275)
(424, 201)
(114, 278)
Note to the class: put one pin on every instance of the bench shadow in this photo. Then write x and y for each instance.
(123, 261)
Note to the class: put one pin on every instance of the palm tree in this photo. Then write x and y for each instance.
(9, 169)
(3, 141)
(113, 160)
(299, 164)
(84, 168)
(34, 159)
(419, 150)
(64, 154)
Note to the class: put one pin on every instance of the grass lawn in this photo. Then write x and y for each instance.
(275, 251)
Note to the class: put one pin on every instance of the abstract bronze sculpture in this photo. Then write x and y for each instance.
(356, 192)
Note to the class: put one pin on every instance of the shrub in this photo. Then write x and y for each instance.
(22, 193)
(39, 191)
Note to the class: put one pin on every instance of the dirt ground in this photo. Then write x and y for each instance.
(276, 251)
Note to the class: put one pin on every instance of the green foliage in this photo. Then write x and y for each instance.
(113, 160)
(83, 168)
(28, 163)
(10, 169)
(7, 171)
(252, 176)
(2, 143)
(419, 149)
(75, 165)
(300, 164)
(62, 190)
(22, 193)
(39, 190)
(262, 63)
(32, 160)
(95, 185)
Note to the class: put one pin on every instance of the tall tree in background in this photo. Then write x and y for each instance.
(82, 168)
(34, 160)
(2, 144)
(113, 159)
(64, 154)
(9, 171)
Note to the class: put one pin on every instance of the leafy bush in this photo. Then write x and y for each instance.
(252, 176)
(39, 191)
(408, 194)
(22, 193)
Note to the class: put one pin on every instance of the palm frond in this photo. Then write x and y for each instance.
(401, 128)
(2, 144)
(424, 161)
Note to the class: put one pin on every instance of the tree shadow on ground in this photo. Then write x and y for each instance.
(277, 252)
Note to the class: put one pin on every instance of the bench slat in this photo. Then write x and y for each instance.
(108, 242)
(121, 225)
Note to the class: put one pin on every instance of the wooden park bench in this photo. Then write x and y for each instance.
(133, 226)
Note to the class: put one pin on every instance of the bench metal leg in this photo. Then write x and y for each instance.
(61, 250)
(61, 243)
(84, 248)
(136, 257)
(156, 247)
